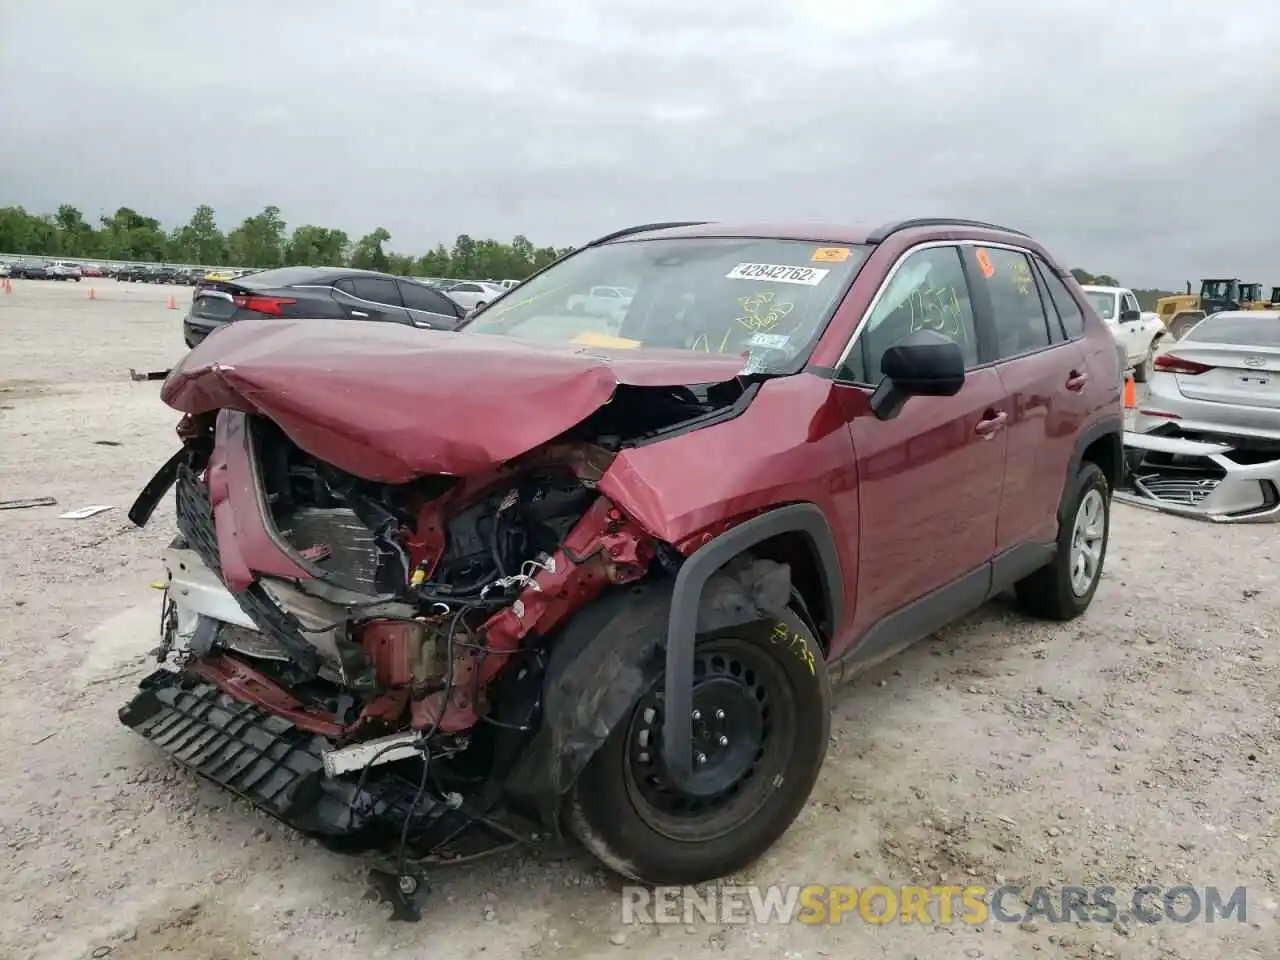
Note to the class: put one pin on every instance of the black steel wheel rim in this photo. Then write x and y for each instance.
(745, 728)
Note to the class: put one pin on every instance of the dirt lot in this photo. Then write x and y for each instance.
(1137, 745)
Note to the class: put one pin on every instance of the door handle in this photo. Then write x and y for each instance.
(991, 424)
(358, 313)
(1077, 380)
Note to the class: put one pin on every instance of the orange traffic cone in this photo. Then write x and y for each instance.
(92, 295)
(173, 304)
(1130, 393)
(8, 287)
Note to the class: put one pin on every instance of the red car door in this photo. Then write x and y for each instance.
(1043, 375)
(929, 480)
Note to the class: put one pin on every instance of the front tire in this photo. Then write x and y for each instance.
(762, 705)
(1142, 372)
(1064, 589)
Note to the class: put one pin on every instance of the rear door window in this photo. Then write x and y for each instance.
(1021, 325)
(1068, 309)
(376, 290)
(418, 296)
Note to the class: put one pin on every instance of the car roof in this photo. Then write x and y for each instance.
(1248, 314)
(848, 232)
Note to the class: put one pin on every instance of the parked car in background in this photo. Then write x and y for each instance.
(92, 270)
(474, 294)
(319, 293)
(62, 270)
(30, 270)
(1139, 334)
(1206, 438)
(602, 301)
(165, 274)
(4, 269)
(133, 273)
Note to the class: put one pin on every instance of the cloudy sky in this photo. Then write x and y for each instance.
(1134, 137)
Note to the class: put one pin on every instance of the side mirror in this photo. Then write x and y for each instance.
(1130, 316)
(924, 364)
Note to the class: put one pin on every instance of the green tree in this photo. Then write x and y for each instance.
(76, 238)
(368, 253)
(317, 247)
(128, 235)
(437, 263)
(258, 241)
(17, 234)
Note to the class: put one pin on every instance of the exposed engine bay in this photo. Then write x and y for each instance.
(377, 675)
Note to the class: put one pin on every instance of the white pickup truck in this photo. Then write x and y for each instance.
(1139, 333)
(609, 302)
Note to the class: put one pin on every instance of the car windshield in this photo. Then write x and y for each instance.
(1103, 303)
(765, 299)
(1260, 330)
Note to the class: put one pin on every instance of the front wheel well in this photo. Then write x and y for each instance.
(798, 552)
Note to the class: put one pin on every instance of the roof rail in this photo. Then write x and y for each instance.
(645, 228)
(882, 233)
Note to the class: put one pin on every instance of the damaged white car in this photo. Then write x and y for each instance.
(1206, 440)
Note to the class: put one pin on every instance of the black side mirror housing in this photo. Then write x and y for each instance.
(1130, 316)
(923, 364)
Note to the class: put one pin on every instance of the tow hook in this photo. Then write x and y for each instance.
(406, 892)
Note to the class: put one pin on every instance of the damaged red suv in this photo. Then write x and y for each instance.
(594, 561)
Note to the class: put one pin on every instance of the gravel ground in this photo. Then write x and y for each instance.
(1136, 745)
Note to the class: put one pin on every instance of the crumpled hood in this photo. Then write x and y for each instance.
(389, 402)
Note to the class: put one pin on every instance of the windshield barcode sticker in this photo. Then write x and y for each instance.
(777, 273)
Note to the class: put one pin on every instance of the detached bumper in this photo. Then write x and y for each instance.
(280, 769)
(1194, 478)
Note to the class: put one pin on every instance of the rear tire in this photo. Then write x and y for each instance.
(764, 690)
(1061, 591)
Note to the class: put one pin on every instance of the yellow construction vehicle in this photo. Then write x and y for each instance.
(1181, 312)
(1251, 297)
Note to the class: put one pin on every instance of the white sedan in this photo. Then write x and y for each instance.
(1207, 437)
(474, 295)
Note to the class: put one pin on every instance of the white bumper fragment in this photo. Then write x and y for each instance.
(1194, 478)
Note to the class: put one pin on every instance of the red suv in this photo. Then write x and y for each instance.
(599, 569)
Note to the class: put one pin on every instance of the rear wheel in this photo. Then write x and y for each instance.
(1064, 589)
(761, 716)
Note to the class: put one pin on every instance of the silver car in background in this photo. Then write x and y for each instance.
(62, 270)
(474, 294)
(1206, 439)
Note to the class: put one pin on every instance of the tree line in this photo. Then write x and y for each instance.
(265, 241)
(260, 241)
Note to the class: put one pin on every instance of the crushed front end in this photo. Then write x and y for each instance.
(351, 656)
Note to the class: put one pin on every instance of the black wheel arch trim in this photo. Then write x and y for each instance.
(682, 626)
(1111, 428)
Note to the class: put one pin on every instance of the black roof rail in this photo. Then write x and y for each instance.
(645, 228)
(882, 233)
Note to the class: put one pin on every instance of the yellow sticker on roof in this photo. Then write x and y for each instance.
(831, 254)
(589, 339)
